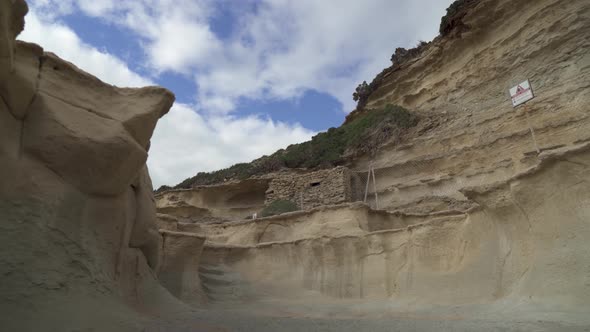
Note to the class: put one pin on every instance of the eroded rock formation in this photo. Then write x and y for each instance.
(475, 223)
(225, 202)
(180, 265)
(479, 138)
(476, 229)
(524, 245)
(80, 245)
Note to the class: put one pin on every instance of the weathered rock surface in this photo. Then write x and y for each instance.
(180, 267)
(527, 242)
(477, 226)
(478, 232)
(520, 255)
(479, 138)
(80, 247)
(225, 202)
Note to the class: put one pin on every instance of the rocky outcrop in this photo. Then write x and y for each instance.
(234, 200)
(478, 138)
(239, 200)
(523, 249)
(327, 221)
(477, 225)
(79, 243)
(477, 228)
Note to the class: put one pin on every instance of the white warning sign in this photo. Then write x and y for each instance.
(521, 93)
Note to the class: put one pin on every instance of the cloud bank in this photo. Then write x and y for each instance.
(258, 50)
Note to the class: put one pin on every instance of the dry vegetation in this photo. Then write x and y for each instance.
(327, 149)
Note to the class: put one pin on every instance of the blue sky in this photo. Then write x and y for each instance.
(250, 76)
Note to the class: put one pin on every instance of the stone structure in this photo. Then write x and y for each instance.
(309, 190)
(237, 200)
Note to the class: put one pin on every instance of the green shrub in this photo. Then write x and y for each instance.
(454, 15)
(278, 207)
(162, 189)
(364, 134)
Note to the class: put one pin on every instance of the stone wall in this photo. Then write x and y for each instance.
(310, 190)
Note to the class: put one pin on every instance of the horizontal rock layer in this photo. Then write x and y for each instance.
(462, 81)
(524, 247)
(477, 225)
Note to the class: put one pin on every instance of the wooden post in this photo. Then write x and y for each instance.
(301, 200)
(368, 180)
(528, 120)
(375, 189)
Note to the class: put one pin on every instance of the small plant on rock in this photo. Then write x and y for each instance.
(278, 207)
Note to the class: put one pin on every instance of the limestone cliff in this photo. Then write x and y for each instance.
(79, 243)
(474, 222)
(475, 228)
(463, 78)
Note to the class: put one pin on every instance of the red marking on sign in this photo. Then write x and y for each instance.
(521, 93)
(520, 90)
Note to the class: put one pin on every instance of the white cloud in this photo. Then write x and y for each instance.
(58, 38)
(53, 8)
(176, 31)
(278, 51)
(329, 45)
(186, 143)
(179, 47)
(97, 7)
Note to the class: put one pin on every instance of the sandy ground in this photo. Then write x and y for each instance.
(232, 321)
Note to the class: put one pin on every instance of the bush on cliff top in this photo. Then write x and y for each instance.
(362, 135)
(453, 19)
(278, 207)
(454, 15)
